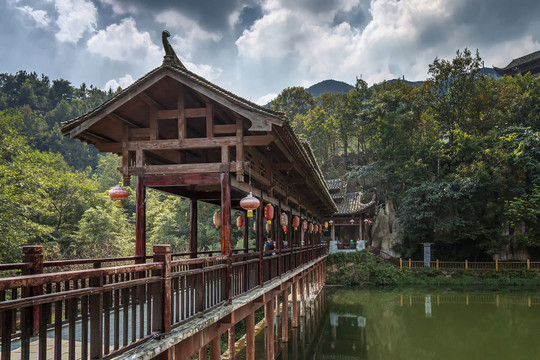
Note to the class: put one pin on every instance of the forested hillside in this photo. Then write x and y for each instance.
(53, 190)
(458, 156)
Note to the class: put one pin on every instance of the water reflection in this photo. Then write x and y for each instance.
(362, 324)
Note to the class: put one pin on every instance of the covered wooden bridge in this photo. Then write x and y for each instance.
(178, 133)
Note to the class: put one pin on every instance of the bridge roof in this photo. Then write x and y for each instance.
(173, 121)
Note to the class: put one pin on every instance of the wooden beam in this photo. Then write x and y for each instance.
(198, 143)
(150, 101)
(95, 137)
(283, 166)
(139, 133)
(195, 112)
(183, 168)
(167, 114)
(123, 119)
(181, 179)
(224, 129)
(112, 147)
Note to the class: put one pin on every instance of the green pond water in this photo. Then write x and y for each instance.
(414, 324)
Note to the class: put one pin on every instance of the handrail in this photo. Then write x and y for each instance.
(103, 300)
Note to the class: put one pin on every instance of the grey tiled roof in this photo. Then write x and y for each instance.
(352, 204)
(523, 60)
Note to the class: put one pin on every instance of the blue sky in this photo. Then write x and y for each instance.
(256, 48)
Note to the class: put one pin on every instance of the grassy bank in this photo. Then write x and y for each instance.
(365, 269)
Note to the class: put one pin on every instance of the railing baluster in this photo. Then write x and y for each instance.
(57, 327)
(84, 327)
(7, 320)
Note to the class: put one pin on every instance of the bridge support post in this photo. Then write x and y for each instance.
(203, 353)
(215, 348)
(285, 315)
(295, 304)
(250, 336)
(269, 314)
(231, 343)
(302, 309)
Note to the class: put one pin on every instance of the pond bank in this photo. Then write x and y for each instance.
(365, 269)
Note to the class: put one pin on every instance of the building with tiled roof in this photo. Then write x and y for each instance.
(352, 219)
(522, 65)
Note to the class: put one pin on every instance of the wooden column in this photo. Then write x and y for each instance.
(231, 343)
(301, 282)
(203, 355)
(246, 232)
(162, 304)
(285, 315)
(225, 182)
(250, 336)
(269, 315)
(140, 219)
(193, 228)
(260, 241)
(360, 232)
(279, 238)
(215, 348)
(295, 304)
(33, 254)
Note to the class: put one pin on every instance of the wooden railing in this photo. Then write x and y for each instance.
(458, 265)
(108, 309)
(473, 266)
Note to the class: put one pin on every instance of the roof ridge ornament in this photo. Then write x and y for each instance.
(170, 57)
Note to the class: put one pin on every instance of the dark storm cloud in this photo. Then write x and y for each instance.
(210, 14)
(357, 17)
(499, 20)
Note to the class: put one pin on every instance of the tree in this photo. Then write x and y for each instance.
(293, 101)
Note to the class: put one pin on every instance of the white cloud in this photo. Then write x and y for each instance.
(122, 82)
(121, 7)
(389, 46)
(124, 42)
(75, 17)
(208, 72)
(263, 100)
(39, 16)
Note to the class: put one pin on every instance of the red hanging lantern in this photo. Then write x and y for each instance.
(239, 222)
(269, 213)
(118, 193)
(304, 225)
(217, 219)
(250, 203)
(310, 227)
(296, 222)
(326, 224)
(320, 228)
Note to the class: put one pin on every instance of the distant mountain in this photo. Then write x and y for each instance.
(329, 86)
(334, 86)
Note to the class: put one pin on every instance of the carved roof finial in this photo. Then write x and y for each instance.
(170, 56)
